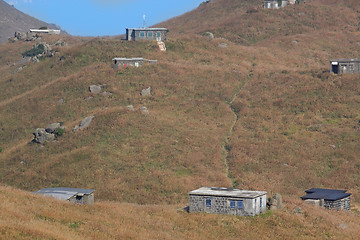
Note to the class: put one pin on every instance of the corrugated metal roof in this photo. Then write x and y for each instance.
(227, 192)
(63, 193)
(326, 194)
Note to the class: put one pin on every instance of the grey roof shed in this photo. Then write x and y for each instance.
(78, 195)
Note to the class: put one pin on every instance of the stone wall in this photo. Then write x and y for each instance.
(221, 205)
(152, 35)
(341, 204)
(350, 67)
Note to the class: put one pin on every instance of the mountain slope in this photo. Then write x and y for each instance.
(233, 116)
(258, 112)
(13, 20)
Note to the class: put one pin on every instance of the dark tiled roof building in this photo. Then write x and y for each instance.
(328, 198)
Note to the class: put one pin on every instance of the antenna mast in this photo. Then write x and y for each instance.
(144, 18)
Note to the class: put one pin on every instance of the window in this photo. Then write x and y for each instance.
(208, 202)
(240, 204)
(260, 202)
(158, 34)
(232, 204)
(79, 199)
(150, 34)
(142, 34)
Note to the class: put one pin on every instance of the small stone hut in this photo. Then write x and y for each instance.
(328, 198)
(74, 195)
(132, 62)
(227, 201)
(152, 34)
(340, 66)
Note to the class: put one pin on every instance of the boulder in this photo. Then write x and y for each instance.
(223, 45)
(146, 92)
(20, 36)
(41, 136)
(95, 89)
(35, 59)
(144, 110)
(298, 210)
(210, 35)
(31, 36)
(106, 94)
(275, 202)
(51, 128)
(61, 101)
(85, 123)
(130, 108)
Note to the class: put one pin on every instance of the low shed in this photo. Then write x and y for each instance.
(328, 198)
(133, 62)
(339, 66)
(152, 34)
(75, 195)
(227, 201)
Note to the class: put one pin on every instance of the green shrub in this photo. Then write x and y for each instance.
(43, 28)
(34, 51)
(59, 132)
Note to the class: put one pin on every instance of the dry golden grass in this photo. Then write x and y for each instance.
(27, 216)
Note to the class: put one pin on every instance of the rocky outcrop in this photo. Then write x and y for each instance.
(41, 136)
(275, 202)
(85, 123)
(48, 134)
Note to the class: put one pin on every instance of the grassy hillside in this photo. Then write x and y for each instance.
(253, 108)
(26, 216)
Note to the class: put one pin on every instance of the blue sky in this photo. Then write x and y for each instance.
(103, 17)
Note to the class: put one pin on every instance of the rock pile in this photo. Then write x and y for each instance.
(48, 134)
(29, 36)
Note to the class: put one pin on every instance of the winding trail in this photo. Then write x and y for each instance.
(230, 133)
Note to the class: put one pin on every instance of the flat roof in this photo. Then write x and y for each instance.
(128, 59)
(148, 29)
(326, 194)
(227, 192)
(346, 60)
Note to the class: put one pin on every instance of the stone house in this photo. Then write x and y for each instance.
(328, 198)
(227, 201)
(132, 62)
(74, 195)
(339, 66)
(276, 4)
(152, 34)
